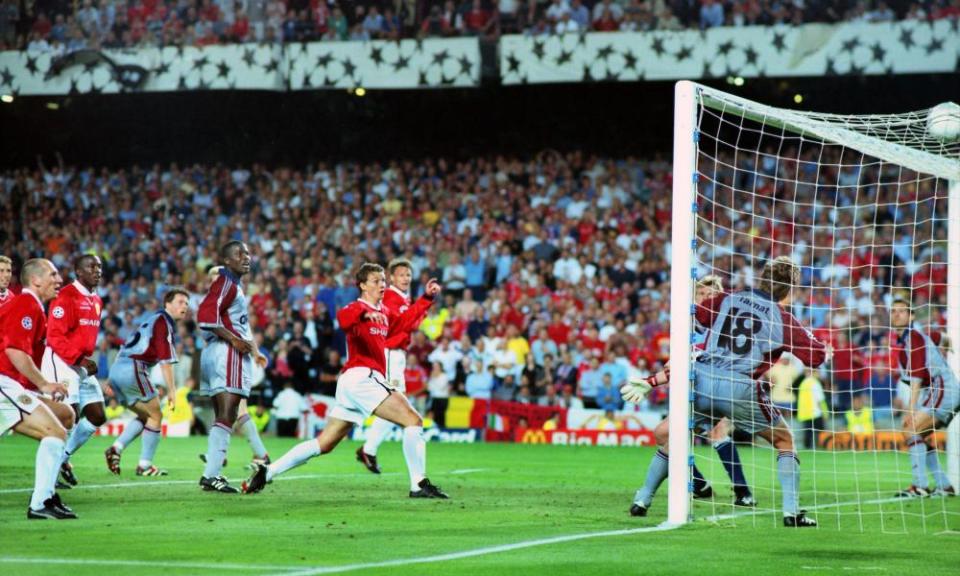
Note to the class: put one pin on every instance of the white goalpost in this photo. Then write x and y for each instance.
(868, 207)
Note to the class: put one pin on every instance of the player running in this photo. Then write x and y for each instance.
(73, 325)
(226, 362)
(153, 343)
(23, 327)
(362, 389)
(934, 400)
(396, 301)
(749, 331)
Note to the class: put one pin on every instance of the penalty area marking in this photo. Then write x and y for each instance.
(141, 563)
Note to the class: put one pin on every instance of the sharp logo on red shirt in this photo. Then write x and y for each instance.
(57, 312)
(377, 330)
(27, 323)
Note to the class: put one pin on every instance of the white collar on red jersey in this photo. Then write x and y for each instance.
(374, 306)
(34, 294)
(81, 288)
(398, 291)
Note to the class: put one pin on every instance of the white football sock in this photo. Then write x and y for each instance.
(130, 433)
(376, 434)
(249, 429)
(49, 456)
(151, 439)
(217, 445)
(415, 453)
(78, 437)
(296, 456)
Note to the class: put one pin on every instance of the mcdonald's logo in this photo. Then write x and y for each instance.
(531, 436)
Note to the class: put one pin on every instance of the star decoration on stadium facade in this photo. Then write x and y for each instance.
(249, 57)
(629, 60)
(779, 42)
(565, 57)
(440, 57)
(73, 87)
(272, 66)
(587, 75)
(376, 55)
(657, 46)
(6, 78)
(422, 79)
(605, 53)
(182, 83)
(94, 89)
(725, 47)
(328, 82)
(324, 60)
(684, 53)
(538, 49)
(513, 63)
(751, 55)
(200, 62)
(223, 69)
(402, 63)
(611, 76)
(831, 70)
(444, 81)
(879, 52)
(906, 38)
(851, 45)
(856, 70)
(466, 66)
(306, 81)
(935, 45)
(91, 66)
(348, 67)
(202, 85)
(162, 69)
(31, 65)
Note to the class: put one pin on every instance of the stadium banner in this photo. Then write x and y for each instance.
(851, 48)
(884, 440)
(595, 419)
(431, 434)
(435, 63)
(585, 437)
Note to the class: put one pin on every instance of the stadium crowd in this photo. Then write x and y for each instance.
(61, 27)
(555, 267)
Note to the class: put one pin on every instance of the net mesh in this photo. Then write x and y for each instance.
(865, 223)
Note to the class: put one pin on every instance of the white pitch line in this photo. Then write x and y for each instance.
(142, 563)
(474, 552)
(719, 517)
(149, 483)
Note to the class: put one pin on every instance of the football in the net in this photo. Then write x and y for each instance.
(943, 121)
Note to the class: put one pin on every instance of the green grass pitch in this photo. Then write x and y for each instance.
(515, 509)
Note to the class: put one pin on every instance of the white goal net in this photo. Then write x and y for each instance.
(862, 206)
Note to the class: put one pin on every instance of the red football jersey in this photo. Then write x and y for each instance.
(6, 297)
(398, 303)
(415, 379)
(23, 326)
(74, 323)
(366, 340)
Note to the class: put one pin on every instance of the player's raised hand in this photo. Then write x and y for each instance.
(433, 287)
(55, 390)
(635, 391)
(375, 317)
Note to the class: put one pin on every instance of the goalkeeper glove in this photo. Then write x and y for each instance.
(636, 390)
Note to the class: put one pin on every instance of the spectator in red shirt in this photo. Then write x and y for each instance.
(606, 23)
(477, 21)
(848, 368)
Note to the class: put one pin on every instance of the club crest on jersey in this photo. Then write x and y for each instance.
(57, 312)
(25, 399)
(27, 323)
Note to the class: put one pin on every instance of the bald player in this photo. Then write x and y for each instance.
(22, 408)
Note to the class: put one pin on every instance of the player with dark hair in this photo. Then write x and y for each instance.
(154, 342)
(362, 389)
(73, 326)
(749, 331)
(934, 400)
(226, 361)
(396, 301)
(22, 332)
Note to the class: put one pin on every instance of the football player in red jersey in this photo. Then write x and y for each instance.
(73, 324)
(362, 388)
(22, 333)
(397, 301)
(6, 273)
